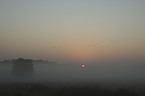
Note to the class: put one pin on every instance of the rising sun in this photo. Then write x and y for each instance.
(83, 65)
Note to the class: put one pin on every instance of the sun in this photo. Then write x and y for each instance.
(83, 65)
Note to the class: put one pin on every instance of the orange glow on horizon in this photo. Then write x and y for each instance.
(82, 55)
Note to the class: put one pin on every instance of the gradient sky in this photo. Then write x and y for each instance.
(72, 30)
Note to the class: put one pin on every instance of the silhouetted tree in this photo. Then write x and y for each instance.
(23, 67)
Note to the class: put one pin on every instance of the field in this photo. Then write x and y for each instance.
(66, 89)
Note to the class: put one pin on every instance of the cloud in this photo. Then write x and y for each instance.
(104, 44)
(55, 47)
(100, 44)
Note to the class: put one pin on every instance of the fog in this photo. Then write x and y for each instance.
(97, 72)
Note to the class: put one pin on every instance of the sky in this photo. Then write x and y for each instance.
(72, 30)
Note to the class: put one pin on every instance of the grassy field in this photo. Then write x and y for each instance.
(65, 89)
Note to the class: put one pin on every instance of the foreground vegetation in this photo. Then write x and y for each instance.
(29, 89)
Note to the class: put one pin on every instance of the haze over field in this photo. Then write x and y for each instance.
(102, 72)
(108, 36)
